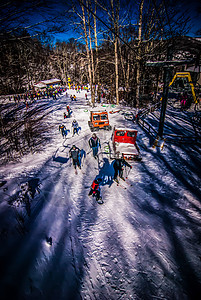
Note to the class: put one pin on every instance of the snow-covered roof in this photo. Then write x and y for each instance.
(44, 83)
(51, 81)
(40, 85)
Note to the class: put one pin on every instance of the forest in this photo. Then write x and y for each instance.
(112, 45)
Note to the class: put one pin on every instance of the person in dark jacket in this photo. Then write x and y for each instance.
(75, 127)
(94, 144)
(118, 165)
(75, 153)
(63, 130)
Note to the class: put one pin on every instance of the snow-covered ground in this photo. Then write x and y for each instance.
(144, 242)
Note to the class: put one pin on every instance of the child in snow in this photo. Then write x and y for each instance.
(94, 143)
(95, 189)
(75, 127)
(74, 153)
(118, 165)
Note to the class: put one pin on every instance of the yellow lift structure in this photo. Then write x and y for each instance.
(188, 76)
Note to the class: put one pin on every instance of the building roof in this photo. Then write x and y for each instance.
(44, 83)
(40, 85)
(51, 81)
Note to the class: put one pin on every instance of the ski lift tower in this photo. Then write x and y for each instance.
(167, 66)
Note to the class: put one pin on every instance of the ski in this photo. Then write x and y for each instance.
(119, 184)
(129, 184)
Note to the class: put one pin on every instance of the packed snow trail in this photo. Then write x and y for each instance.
(142, 243)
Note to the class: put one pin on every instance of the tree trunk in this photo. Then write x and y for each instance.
(97, 59)
(139, 55)
(115, 19)
(91, 59)
(88, 54)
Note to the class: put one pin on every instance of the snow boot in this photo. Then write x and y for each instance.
(116, 180)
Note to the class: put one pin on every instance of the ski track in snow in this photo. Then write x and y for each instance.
(142, 243)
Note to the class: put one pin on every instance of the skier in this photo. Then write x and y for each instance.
(74, 153)
(63, 130)
(75, 127)
(118, 165)
(95, 190)
(94, 143)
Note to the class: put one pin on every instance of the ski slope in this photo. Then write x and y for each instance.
(142, 243)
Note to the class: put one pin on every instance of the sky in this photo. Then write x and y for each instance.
(57, 8)
(192, 9)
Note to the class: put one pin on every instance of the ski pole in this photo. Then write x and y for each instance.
(128, 173)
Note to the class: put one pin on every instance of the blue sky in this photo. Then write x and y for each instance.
(192, 9)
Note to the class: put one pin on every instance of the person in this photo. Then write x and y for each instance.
(94, 143)
(184, 100)
(118, 165)
(65, 115)
(75, 127)
(86, 96)
(68, 111)
(95, 189)
(63, 130)
(75, 153)
(136, 118)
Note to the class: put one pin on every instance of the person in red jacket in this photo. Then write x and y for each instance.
(68, 111)
(95, 189)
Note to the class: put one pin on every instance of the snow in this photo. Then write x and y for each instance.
(142, 243)
(126, 148)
